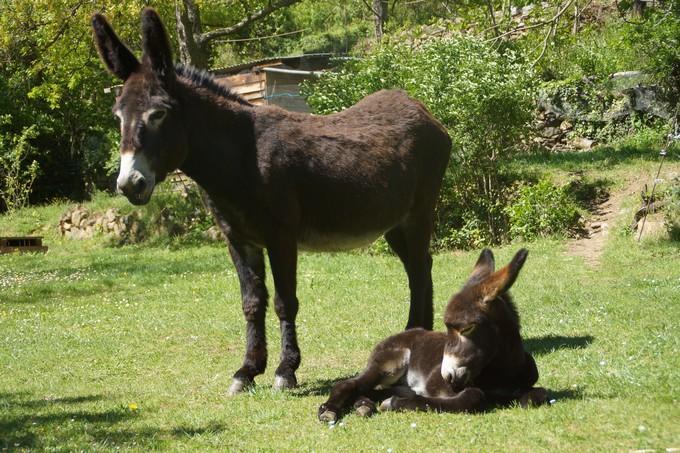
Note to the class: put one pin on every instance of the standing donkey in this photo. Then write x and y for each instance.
(479, 360)
(280, 180)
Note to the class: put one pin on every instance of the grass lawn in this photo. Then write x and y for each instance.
(133, 348)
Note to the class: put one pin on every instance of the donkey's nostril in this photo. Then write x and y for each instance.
(139, 185)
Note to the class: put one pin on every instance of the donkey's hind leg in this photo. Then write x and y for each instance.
(411, 241)
(470, 399)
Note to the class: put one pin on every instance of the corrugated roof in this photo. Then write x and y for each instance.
(235, 69)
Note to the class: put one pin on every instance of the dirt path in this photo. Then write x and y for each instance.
(591, 245)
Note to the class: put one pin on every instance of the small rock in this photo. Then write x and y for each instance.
(549, 132)
(583, 143)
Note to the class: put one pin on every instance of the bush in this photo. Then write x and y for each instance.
(176, 214)
(483, 96)
(16, 176)
(672, 210)
(543, 210)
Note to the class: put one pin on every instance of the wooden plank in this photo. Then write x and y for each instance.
(248, 89)
(41, 249)
(21, 244)
(241, 79)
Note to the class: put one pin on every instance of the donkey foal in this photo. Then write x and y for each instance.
(478, 361)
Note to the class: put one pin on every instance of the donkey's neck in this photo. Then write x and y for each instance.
(220, 138)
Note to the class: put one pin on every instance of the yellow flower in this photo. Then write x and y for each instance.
(132, 407)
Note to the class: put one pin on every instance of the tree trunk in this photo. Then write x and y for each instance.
(188, 29)
(638, 8)
(379, 8)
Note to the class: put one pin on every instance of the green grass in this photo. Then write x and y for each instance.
(87, 331)
(133, 347)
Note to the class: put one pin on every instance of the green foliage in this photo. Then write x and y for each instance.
(16, 176)
(659, 40)
(174, 214)
(483, 96)
(672, 210)
(543, 210)
(51, 80)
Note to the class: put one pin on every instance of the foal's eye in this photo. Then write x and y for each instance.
(468, 329)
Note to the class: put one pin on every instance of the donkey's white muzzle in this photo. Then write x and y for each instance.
(136, 180)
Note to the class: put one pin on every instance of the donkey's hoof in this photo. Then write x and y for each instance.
(387, 405)
(283, 382)
(238, 385)
(328, 414)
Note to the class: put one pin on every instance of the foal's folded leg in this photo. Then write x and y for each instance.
(364, 406)
(348, 392)
(528, 397)
(469, 400)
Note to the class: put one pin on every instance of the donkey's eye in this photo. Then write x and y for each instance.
(157, 116)
(468, 329)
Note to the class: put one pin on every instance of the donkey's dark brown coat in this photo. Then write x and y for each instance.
(479, 360)
(280, 180)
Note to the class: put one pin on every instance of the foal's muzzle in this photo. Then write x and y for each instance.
(453, 373)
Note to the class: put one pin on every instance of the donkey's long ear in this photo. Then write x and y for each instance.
(156, 45)
(483, 268)
(117, 58)
(501, 281)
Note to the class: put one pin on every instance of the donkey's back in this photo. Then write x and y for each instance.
(356, 174)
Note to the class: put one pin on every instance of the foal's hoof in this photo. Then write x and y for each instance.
(387, 405)
(283, 382)
(364, 407)
(537, 396)
(365, 411)
(327, 414)
(238, 385)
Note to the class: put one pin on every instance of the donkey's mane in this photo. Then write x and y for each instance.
(204, 79)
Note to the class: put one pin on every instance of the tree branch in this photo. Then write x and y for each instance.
(259, 14)
(552, 22)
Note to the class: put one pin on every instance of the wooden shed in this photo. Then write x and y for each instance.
(274, 81)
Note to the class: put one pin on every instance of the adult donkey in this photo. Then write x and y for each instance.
(280, 180)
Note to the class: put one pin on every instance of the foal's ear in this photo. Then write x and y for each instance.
(156, 45)
(117, 58)
(501, 281)
(483, 268)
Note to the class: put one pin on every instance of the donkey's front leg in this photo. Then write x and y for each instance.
(249, 262)
(283, 261)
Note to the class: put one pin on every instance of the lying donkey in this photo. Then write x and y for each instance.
(480, 360)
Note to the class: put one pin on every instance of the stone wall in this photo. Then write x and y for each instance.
(81, 223)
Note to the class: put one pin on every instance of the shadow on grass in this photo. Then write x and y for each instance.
(551, 343)
(565, 394)
(319, 387)
(26, 422)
